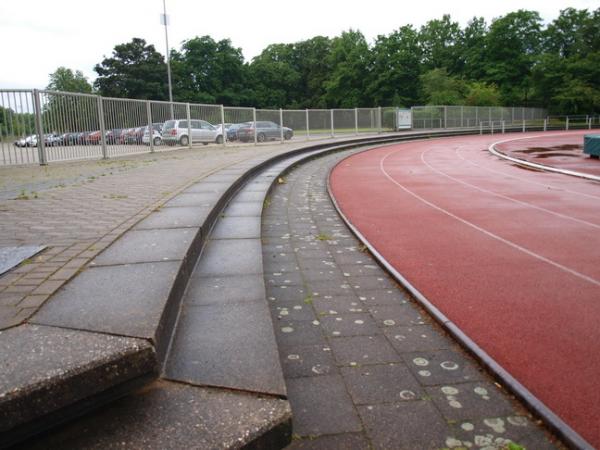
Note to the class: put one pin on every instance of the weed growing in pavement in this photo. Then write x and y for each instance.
(308, 300)
(116, 196)
(267, 202)
(323, 237)
(22, 196)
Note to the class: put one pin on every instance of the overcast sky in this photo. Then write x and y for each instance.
(38, 36)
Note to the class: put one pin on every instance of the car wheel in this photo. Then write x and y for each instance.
(156, 141)
(287, 136)
(219, 139)
(184, 140)
(261, 137)
(205, 143)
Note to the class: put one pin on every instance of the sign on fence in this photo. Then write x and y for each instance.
(403, 119)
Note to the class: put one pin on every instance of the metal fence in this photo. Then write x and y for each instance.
(40, 126)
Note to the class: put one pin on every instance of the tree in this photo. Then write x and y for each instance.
(312, 60)
(439, 88)
(64, 79)
(135, 70)
(208, 71)
(394, 78)
(482, 94)
(473, 49)
(350, 64)
(441, 44)
(512, 46)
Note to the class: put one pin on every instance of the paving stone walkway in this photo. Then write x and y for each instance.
(77, 209)
(365, 367)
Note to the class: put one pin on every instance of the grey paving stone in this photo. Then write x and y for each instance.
(334, 304)
(127, 300)
(363, 350)
(441, 367)
(372, 283)
(287, 294)
(470, 401)
(175, 217)
(323, 288)
(233, 347)
(237, 228)
(321, 405)
(45, 369)
(225, 290)
(259, 185)
(354, 270)
(230, 257)
(224, 177)
(292, 311)
(384, 383)
(316, 263)
(405, 425)
(284, 279)
(322, 274)
(345, 441)
(148, 246)
(298, 332)
(403, 314)
(195, 199)
(244, 209)
(272, 267)
(358, 324)
(308, 361)
(382, 297)
(497, 432)
(418, 337)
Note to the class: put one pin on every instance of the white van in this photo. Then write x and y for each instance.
(176, 132)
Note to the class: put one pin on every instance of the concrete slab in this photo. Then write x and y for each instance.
(225, 290)
(45, 369)
(167, 415)
(206, 186)
(250, 209)
(237, 228)
(126, 300)
(13, 256)
(175, 217)
(194, 199)
(138, 246)
(229, 346)
(230, 257)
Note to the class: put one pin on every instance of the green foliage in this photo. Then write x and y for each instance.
(64, 79)
(135, 70)
(514, 61)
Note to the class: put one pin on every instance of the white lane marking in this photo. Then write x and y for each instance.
(482, 230)
(525, 180)
(505, 197)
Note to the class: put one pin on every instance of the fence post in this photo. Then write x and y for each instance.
(492, 126)
(590, 123)
(445, 117)
(567, 123)
(512, 115)
(223, 130)
(307, 127)
(462, 114)
(545, 124)
(332, 127)
(281, 124)
(150, 127)
(254, 120)
(480, 127)
(380, 117)
(189, 121)
(523, 125)
(102, 128)
(503, 127)
(41, 145)
(356, 121)
(477, 114)
(412, 117)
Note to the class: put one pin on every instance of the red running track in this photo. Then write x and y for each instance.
(510, 255)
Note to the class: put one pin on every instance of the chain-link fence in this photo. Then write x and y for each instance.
(39, 126)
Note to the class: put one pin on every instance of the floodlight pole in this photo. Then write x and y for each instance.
(168, 55)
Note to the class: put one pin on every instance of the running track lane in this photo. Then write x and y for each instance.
(510, 255)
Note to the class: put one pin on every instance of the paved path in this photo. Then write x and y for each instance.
(562, 150)
(77, 209)
(509, 255)
(365, 367)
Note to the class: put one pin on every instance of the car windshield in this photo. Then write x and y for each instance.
(169, 124)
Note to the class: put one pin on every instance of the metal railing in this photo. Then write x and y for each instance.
(41, 126)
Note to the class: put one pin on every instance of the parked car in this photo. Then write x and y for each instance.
(51, 139)
(265, 130)
(113, 136)
(176, 132)
(21, 142)
(93, 138)
(232, 130)
(156, 134)
(67, 139)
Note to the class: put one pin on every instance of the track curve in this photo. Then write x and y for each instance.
(511, 256)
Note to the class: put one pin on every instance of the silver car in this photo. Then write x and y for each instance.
(177, 132)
